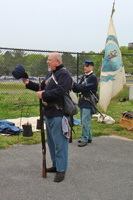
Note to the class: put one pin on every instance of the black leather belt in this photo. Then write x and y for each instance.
(58, 106)
(81, 96)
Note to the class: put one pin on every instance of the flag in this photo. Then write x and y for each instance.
(112, 77)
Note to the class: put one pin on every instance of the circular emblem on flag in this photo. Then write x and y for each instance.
(112, 60)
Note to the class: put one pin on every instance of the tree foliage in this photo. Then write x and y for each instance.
(36, 63)
(127, 60)
(69, 62)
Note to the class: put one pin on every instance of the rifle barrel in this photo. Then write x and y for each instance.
(42, 137)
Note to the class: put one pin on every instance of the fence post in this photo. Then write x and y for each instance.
(77, 66)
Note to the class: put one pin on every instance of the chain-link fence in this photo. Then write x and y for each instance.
(35, 64)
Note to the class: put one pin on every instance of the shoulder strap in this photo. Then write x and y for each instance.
(94, 95)
(53, 76)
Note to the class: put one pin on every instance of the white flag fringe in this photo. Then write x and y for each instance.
(112, 77)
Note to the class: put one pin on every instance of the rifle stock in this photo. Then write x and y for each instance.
(42, 136)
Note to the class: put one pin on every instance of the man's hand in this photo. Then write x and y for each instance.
(39, 94)
(25, 81)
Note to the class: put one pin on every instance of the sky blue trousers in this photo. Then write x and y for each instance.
(57, 142)
(85, 116)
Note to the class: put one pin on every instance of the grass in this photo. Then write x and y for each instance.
(9, 141)
(12, 86)
(10, 110)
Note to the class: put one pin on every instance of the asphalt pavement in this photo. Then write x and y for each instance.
(102, 170)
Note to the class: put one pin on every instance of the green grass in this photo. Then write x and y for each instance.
(13, 96)
(12, 86)
(8, 110)
(9, 141)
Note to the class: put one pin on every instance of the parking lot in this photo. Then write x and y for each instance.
(103, 170)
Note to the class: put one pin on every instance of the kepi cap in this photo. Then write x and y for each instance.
(89, 61)
(19, 72)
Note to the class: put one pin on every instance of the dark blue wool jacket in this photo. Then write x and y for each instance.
(53, 92)
(87, 83)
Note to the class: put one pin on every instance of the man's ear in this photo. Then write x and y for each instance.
(58, 61)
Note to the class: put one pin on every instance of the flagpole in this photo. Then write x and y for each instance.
(113, 9)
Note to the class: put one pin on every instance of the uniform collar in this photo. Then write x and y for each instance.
(58, 67)
(87, 74)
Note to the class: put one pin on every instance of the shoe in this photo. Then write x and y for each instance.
(89, 141)
(59, 176)
(51, 169)
(82, 144)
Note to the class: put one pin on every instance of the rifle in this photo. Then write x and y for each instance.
(93, 106)
(42, 135)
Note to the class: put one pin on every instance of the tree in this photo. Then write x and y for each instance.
(69, 62)
(7, 64)
(36, 64)
(127, 60)
(1, 62)
(19, 57)
(128, 65)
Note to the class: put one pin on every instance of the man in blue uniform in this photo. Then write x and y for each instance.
(87, 84)
(57, 82)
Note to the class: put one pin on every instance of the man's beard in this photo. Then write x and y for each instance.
(49, 69)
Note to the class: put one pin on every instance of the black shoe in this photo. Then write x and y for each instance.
(59, 176)
(89, 141)
(82, 144)
(51, 169)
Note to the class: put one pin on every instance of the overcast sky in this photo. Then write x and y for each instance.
(63, 25)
